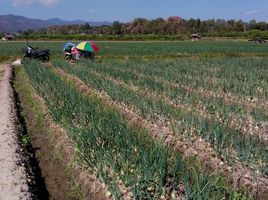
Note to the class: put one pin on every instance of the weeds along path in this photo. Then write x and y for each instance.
(248, 149)
(196, 147)
(221, 111)
(13, 176)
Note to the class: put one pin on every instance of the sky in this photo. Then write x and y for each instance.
(127, 10)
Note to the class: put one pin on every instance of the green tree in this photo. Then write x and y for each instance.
(116, 28)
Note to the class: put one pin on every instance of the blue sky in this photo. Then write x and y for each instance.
(127, 10)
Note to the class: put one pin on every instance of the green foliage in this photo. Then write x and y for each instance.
(145, 50)
(103, 136)
(26, 140)
(220, 135)
(107, 143)
(249, 34)
(174, 28)
(143, 37)
(103, 37)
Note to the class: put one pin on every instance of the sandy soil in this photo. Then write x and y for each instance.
(13, 180)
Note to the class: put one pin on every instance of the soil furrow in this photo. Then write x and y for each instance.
(196, 147)
(165, 122)
(130, 115)
(246, 126)
(228, 97)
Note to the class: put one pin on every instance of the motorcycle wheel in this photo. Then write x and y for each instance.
(45, 58)
(67, 57)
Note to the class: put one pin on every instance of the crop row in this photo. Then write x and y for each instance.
(197, 147)
(171, 91)
(232, 114)
(249, 150)
(239, 76)
(117, 151)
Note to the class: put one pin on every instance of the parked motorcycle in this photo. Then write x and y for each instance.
(33, 53)
(68, 51)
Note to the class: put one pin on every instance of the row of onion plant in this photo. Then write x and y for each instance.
(250, 150)
(116, 150)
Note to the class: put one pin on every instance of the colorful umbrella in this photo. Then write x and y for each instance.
(68, 46)
(87, 46)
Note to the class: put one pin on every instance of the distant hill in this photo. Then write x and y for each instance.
(57, 21)
(13, 23)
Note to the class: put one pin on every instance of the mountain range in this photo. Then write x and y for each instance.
(13, 23)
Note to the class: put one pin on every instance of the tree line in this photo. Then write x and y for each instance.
(173, 26)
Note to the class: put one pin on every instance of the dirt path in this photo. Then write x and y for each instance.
(13, 180)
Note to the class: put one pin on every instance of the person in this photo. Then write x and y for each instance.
(88, 54)
(75, 53)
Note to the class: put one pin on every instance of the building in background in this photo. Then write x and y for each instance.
(8, 37)
(196, 36)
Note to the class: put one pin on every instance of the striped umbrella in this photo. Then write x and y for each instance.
(87, 46)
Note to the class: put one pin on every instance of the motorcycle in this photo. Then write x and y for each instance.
(33, 53)
(68, 55)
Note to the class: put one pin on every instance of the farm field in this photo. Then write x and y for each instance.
(161, 120)
(149, 50)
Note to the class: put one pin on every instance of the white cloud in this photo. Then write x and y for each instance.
(251, 12)
(30, 2)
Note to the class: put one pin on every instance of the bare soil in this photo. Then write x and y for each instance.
(13, 176)
(54, 173)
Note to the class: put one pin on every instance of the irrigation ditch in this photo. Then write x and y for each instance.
(20, 172)
(36, 181)
(55, 154)
(37, 160)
